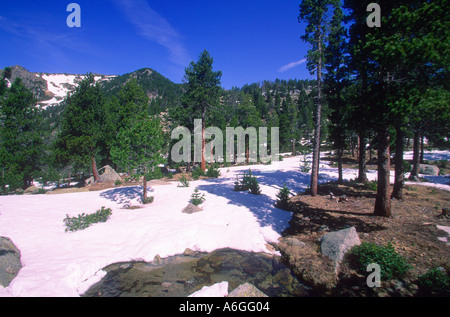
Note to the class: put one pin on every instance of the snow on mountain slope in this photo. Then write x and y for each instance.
(59, 85)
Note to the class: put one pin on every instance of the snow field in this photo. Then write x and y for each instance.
(59, 263)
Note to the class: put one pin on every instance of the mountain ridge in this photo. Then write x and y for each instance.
(51, 89)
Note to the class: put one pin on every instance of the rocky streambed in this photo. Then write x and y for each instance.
(185, 274)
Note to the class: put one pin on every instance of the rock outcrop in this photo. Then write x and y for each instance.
(191, 208)
(9, 261)
(427, 169)
(335, 244)
(246, 290)
(318, 265)
(107, 174)
(32, 190)
(311, 267)
(30, 80)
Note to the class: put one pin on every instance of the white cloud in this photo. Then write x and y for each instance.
(291, 65)
(153, 26)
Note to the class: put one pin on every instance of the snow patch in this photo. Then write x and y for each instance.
(216, 290)
(59, 85)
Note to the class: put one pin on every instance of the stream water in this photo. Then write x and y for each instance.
(182, 275)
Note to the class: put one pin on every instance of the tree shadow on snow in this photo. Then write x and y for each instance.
(437, 179)
(296, 181)
(433, 156)
(124, 195)
(262, 206)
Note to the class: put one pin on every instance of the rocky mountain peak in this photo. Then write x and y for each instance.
(49, 88)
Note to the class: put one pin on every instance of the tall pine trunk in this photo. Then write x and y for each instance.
(316, 146)
(362, 164)
(94, 169)
(27, 182)
(352, 145)
(421, 150)
(383, 200)
(397, 192)
(416, 157)
(144, 192)
(340, 151)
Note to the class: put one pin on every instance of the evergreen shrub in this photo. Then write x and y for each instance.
(197, 198)
(391, 263)
(83, 221)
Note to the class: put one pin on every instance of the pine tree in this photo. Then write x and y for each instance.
(277, 103)
(405, 58)
(305, 106)
(120, 111)
(360, 69)
(289, 123)
(81, 132)
(283, 196)
(372, 97)
(202, 93)
(335, 82)
(419, 59)
(260, 104)
(269, 100)
(248, 116)
(314, 13)
(140, 146)
(197, 198)
(21, 143)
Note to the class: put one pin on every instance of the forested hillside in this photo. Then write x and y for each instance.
(367, 94)
(119, 100)
(161, 92)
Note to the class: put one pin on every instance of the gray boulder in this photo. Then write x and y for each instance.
(427, 169)
(90, 180)
(335, 244)
(293, 242)
(32, 190)
(108, 174)
(191, 208)
(246, 290)
(9, 261)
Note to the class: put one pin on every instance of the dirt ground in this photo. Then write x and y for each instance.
(411, 229)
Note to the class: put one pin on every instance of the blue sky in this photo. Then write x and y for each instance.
(250, 40)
